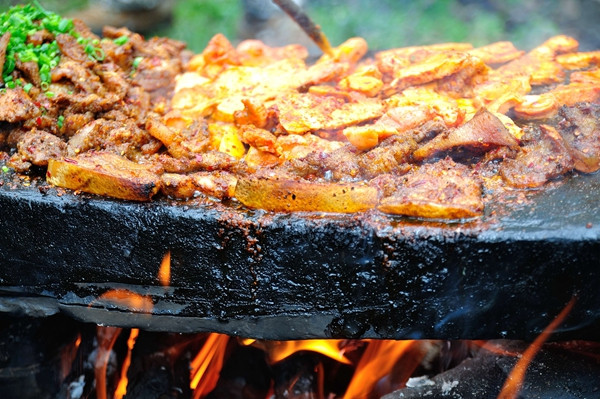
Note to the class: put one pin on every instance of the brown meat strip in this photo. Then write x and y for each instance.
(215, 184)
(441, 190)
(337, 165)
(542, 157)
(580, 128)
(123, 138)
(16, 106)
(391, 156)
(482, 133)
(38, 147)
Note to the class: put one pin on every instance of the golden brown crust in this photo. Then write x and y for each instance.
(104, 174)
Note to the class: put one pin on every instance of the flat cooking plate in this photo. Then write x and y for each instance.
(303, 276)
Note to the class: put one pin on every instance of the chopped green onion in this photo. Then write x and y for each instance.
(136, 61)
(121, 40)
(27, 87)
(24, 21)
(65, 25)
(60, 122)
(49, 94)
(5, 169)
(135, 64)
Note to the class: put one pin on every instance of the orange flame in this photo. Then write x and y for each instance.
(129, 299)
(164, 272)
(107, 336)
(210, 358)
(279, 350)
(68, 354)
(122, 385)
(515, 379)
(377, 362)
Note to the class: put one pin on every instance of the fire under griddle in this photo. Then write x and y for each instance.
(291, 276)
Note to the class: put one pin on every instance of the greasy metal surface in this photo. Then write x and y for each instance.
(299, 276)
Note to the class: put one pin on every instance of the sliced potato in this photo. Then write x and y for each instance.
(288, 195)
(429, 209)
(104, 174)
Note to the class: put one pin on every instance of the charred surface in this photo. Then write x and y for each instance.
(285, 276)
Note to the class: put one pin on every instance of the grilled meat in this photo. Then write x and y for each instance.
(442, 190)
(543, 156)
(580, 129)
(343, 134)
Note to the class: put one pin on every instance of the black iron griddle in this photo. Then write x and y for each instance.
(290, 276)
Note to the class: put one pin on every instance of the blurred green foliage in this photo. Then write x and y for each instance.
(394, 23)
(195, 22)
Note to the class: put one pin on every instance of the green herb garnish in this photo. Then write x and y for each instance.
(135, 64)
(22, 22)
(121, 40)
(60, 121)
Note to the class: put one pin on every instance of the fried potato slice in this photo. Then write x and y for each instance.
(256, 158)
(253, 52)
(501, 93)
(350, 51)
(579, 60)
(507, 85)
(225, 93)
(304, 112)
(389, 61)
(536, 107)
(435, 67)
(395, 121)
(546, 105)
(366, 80)
(443, 190)
(423, 96)
(297, 146)
(105, 174)
(591, 77)
(496, 53)
(293, 195)
(531, 62)
(549, 72)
